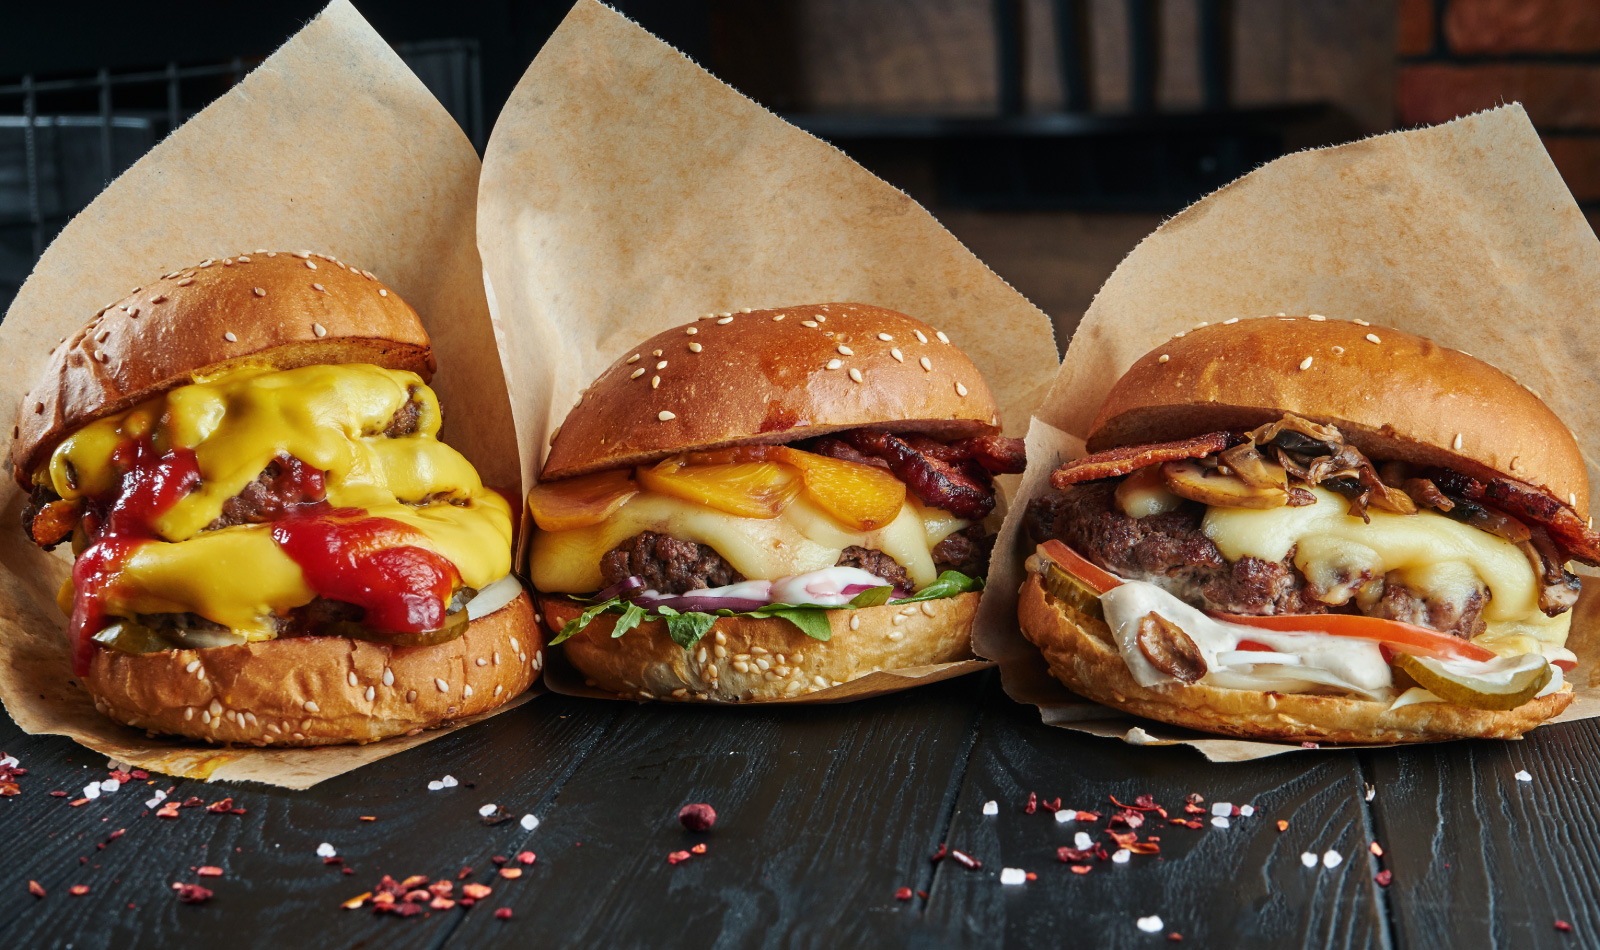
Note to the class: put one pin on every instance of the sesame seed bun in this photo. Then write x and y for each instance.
(726, 666)
(282, 308)
(1081, 654)
(771, 376)
(1392, 395)
(311, 691)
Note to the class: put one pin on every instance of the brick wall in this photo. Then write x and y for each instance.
(1459, 56)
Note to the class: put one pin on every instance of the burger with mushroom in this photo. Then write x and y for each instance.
(272, 545)
(1315, 530)
(760, 505)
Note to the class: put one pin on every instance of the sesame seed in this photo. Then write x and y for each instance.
(666, 416)
(692, 331)
(319, 329)
(835, 364)
(1360, 322)
(206, 263)
(259, 292)
(466, 690)
(1305, 363)
(443, 686)
(724, 320)
(100, 356)
(776, 318)
(885, 337)
(821, 318)
(655, 381)
(227, 262)
(351, 678)
(809, 323)
(1233, 320)
(694, 347)
(1572, 499)
(388, 677)
(927, 364)
(318, 287)
(747, 310)
(1457, 443)
(311, 706)
(845, 350)
(894, 351)
(960, 389)
(1202, 323)
(725, 314)
(228, 335)
(636, 373)
(1163, 358)
(411, 695)
(371, 694)
(1373, 338)
(101, 337)
(186, 282)
(1316, 316)
(382, 292)
(633, 359)
(655, 352)
(311, 264)
(553, 433)
(193, 665)
(243, 259)
(158, 298)
(133, 314)
(1338, 351)
(661, 365)
(920, 337)
(855, 374)
(301, 254)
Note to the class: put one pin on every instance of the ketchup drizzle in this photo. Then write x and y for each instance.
(350, 557)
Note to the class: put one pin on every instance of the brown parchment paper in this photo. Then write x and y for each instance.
(332, 144)
(1464, 233)
(625, 190)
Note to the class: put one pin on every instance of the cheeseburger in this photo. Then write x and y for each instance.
(759, 505)
(272, 546)
(1314, 529)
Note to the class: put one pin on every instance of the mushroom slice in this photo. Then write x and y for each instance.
(1210, 486)
(1169, 649)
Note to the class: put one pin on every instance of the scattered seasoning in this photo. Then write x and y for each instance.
(1283, 825)
(677, 857)
(529, 822)
(903, 894)
(78, 890)
(1523, 776)
(35, 889)
(939, 854)
(476, 892)
(699, 848)
(1376, 849)
(1308, 859)
(449, 781)
(965, 860)
(697, 817)
(1563, 926)
(1032, 805)
(1150, 925)
(208, 870)
(1012, 876)
(991, 807)
(504, 913)
(1384, 877)
(526, 857)
(1332, 858)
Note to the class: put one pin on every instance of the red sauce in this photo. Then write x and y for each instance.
(150, 485)
(371, 562)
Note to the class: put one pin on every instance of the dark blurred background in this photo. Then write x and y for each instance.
(1048, 135)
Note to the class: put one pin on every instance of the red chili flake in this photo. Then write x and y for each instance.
(923, 894)
(1563, 926)
(58, 794)
(139, 774)
(356, 901)
(120, 776)
(192, 801)
(697, 817)
(1145, 847)
(673, 858)
(75, 804)
(1052, 806)
(1194, 798)
(511, 874)
(1384, 877)
(1142, 803)
(9, 789)
(209, 870)
(236, 811)
(1376, 849)
(1177, 821)
(1088, 816)
(939, 854)
(1175, 937)
(169, 810)
(1145, 801)
(218, 808)
(1032, 805)
(383, 897)
(368, 818)
(1080, 869)
(477, 892)
(1032, 876)
(333, 859)
(465, 873)
(78, 890)
(1235, 813)
(965, 860)
(347, 870)
(1123, 838)
(117, 834)
(528, 857)
(499, 859)
(192, 893)
(1283, 825)
(1191, 824)
(441, 888)
(418, 896)
(1194, 810)
(503, 913)
(441, 903)
(903, 894)
(406, 910)
(699, 848)
(413, 882)
(36, 889)
(1127, 817)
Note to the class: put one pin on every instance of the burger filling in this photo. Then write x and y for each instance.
(1290, 522)
(256, 504)
(763, 525)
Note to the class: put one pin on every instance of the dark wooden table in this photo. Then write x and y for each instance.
(823, 813)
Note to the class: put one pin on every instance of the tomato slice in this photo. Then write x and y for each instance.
(1567, 666)
(1254, 645)
(1078, 566)
(1400, 636)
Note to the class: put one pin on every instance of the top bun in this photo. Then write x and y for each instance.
(281, 308)
(1393, 395)
(773, 376)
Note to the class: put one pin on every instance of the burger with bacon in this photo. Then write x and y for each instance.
(272, 545)
(759, 505)
(1315, 530)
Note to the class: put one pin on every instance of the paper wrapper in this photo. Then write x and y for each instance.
(625, 191)
(1463, 233)
(332, 144)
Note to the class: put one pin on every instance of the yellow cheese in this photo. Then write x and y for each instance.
(330, 417)
(1433, 555)
(803, 538)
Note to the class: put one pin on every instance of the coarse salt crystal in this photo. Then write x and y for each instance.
(92, 790)
(529, 822)
(487, 810)
(1247, 810)
(1218, 821)
(8, 762)
(325, 850)
(1523, 776)
(1082, 841)
(1121, 856)
(110, 785)
(1065, 815)
(449, 781)
(991, 807)
(1222, 808)
(1332, 858)
(1308, 859)
(1013, 876)
(1150, 925)
(435, 785)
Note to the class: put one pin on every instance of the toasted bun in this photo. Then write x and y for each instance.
(262, 307)
(1081, 654)
(1402, 397)
(321, 690)
(763, 377)
(726, 666)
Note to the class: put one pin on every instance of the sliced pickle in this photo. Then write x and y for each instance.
(454, 626)
(1528, 674)
(1072, 592)
(130, 636)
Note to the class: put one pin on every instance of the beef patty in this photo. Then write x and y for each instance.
(1171, 551)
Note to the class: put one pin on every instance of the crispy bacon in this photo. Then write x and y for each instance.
(1129, 458)
(1572, 536)
(963, 489)
(838, 449)
(996, 453)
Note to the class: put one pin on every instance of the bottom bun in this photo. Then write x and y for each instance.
(749, 659)
(1082, 656)
(311, 691)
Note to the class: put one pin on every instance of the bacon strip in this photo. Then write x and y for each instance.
(1129, 458)
(961, 491)
(1575, 538)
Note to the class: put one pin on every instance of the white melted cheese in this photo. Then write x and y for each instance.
(1433, 556)
(801, 540)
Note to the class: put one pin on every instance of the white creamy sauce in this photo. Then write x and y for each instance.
(824, 588)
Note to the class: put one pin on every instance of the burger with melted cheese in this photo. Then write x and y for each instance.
(1315, 530)
(272, 546)
(759, 505)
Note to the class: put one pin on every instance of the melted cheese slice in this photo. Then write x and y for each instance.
(1434, 556)
(331, 417)
(802, 539)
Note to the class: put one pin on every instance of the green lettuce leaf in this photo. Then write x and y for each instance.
(872, 597)
(576, 624)
(812, 621)
(631, 615)
(687, 629)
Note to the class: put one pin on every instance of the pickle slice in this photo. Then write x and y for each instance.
(454, 626)
(130, 636)
(1510, 681)
(1072, 592)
